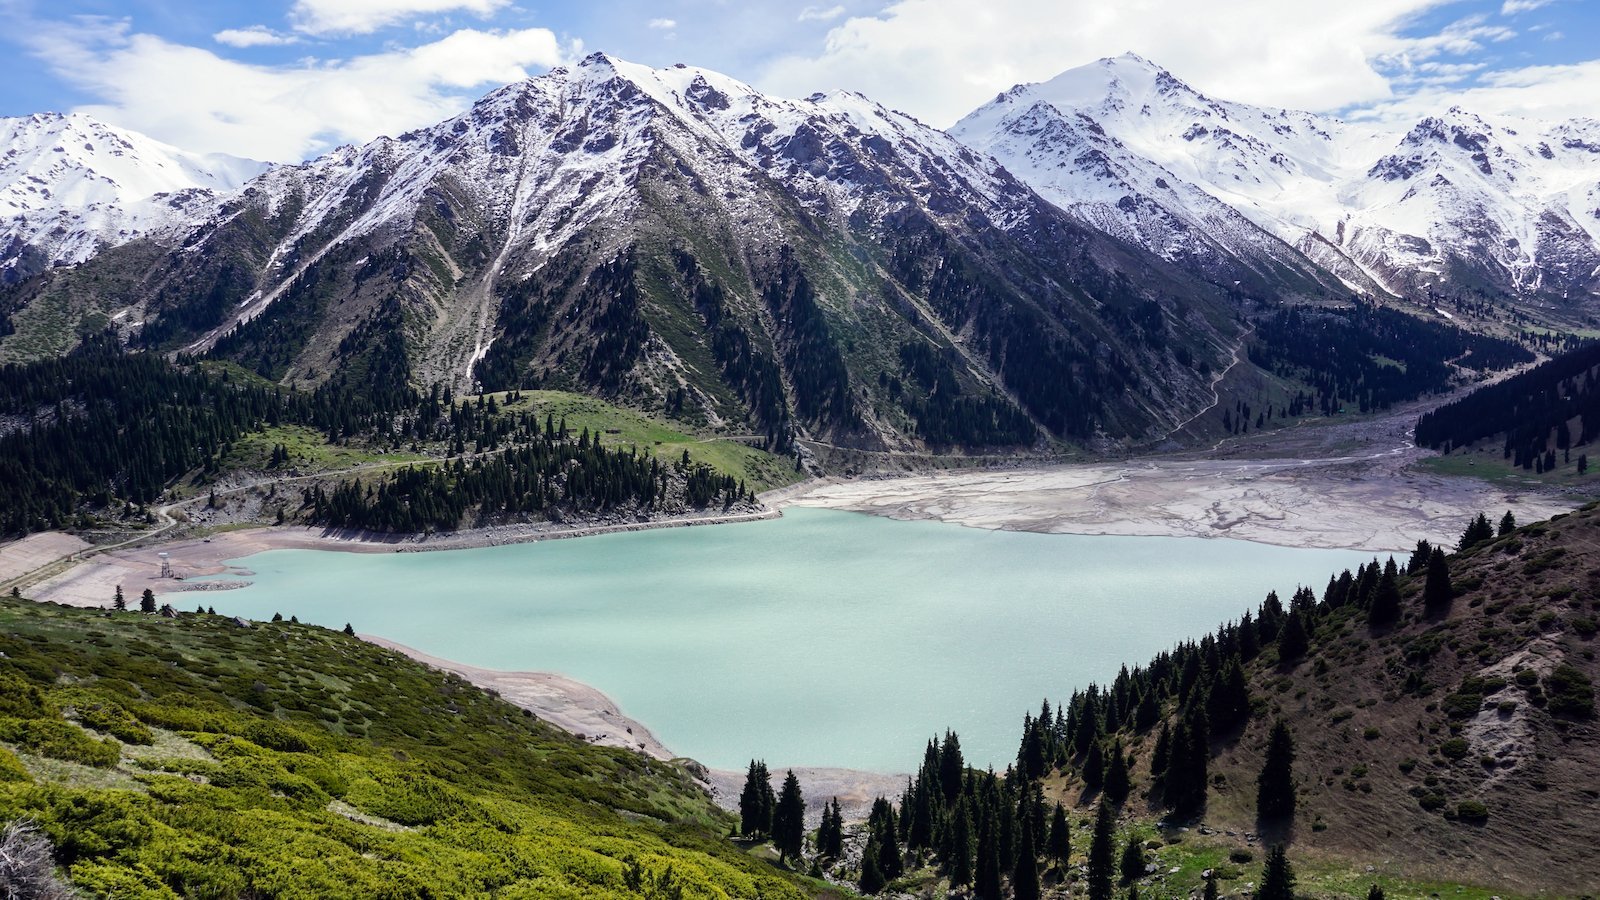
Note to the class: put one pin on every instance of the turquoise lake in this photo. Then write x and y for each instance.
(821, 638)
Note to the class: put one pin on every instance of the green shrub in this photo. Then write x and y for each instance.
(107, 716)
(19, 699)
(1527, 678)
(1461, 705)
(1454, 748)
(60, 740)
(11, 768)
(1472, 811)
(1571, 692)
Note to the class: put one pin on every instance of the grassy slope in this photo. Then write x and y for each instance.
(287, 760)
(1377, 785)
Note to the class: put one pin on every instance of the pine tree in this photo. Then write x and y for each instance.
(349, 630)
(1293, 641)
(988, 873)
(1210, 892)
(119, 602)
(1277, 877)
(756, 802)
(1275, 793)
(951, 767)
(872, 880)
(1385, 609)
(1117, 784)
(1161, 756)
(1132, 864)
(1102, 850)
(147, 601)
(1478, 531)
(789, 820)
(1059, 846)
(1375, 893)
(1437, 591)
(1025, 878)
(1094, 767)
(1508, 524)
(958, 860)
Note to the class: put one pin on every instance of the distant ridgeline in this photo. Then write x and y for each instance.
(100, 429)
(1370, 357)
(1313, 722)
(1546, 410)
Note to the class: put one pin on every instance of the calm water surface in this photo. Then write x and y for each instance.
(821, 638)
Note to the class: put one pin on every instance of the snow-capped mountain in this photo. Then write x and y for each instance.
(71, 185)
(1456, 203)
(821, 267)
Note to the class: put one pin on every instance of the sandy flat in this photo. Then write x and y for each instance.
(1374, 498)
(20, 557)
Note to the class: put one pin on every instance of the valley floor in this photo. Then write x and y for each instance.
(1352, 485)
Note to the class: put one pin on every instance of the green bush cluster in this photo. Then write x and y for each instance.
(442, 790)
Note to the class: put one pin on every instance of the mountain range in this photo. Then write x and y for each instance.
(1074, 261)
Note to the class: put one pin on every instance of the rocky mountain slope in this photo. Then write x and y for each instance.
(1456, 204)
(71, 185)
(821, 269)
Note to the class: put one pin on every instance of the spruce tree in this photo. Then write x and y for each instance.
(789, 820)
(1277, 877)
(119, 602)
(756, 802)
(1102, 855)
(1094, 767)
(349, 630)
(958, 860)
(987, 886)
(1132, 864)
(1293, 641)
(872, 880)
(1210, 892)
(951, 767)
(1385, 609)
(1437, 591)
(1025, 877)
(1375, 893)
(1508, 524)
(1059, 846)
(1275, 794)
(147, 601)
(1478, 531)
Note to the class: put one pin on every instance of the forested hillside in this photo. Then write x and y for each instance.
(1425, 726)
(196, 757)
(1542, 414)
(101, 433)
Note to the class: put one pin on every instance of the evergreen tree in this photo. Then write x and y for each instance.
(1375, 893)
(756, 802)
(1229, 702)
(883, 841)
(958, 859)
(1161, 756)
(1293, 641)
(349, 630)
(1385, 609)
(1132, 864)
(1094, 768)
(1275, 793)
(1025, 878)
(872, 880)
(951, 767)
(1419, 558)
(119, 602)
(789, 820)
(1102, 854)
(1478, 531)
(1508, 524)
(1059, 846)
(1117, 784)
(147, 601)
(830, 835)
(1437, 591)
(1277, 877)
(1210, 892)
(987, 886)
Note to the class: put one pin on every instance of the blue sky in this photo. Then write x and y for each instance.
(286, 80)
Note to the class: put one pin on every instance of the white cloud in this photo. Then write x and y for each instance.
(1513, 7)
(254, 36)
(941, 58)
(818, 14)
(197, 100)
(365, 16)
(1538, 92)
(663, 24)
